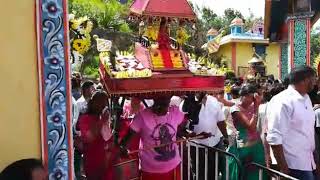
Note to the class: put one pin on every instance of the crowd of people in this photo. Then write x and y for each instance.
(272, 123)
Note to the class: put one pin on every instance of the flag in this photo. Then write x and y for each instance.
(214, 44)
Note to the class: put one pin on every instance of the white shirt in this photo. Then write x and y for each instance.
(291, 122)
(230, 126)
(210, 114)
(175, 101)
(262, 119)
(317, 112)
(75, 115)
(82, 105)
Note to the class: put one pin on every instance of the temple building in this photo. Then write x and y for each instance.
(239, 47)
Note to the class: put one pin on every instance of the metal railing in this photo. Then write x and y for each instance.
(217, 153)
(132, 164)
(270, 172)
(185, 147)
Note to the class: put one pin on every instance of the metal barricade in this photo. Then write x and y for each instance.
(185, 147)
(217, 152)
(271, 172)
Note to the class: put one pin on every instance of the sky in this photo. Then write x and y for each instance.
(244, 6)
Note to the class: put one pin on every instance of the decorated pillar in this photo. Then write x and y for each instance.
(55, 88)
(299, 32)
(299, 41)
(284, 63)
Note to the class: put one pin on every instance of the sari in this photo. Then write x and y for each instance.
(248, 148)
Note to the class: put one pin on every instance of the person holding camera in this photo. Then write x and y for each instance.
(248, 146)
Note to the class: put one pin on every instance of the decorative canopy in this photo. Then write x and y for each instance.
(163, 8)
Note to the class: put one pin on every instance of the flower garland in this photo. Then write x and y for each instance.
(82, 27)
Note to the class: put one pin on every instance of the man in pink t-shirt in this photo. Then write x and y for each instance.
(156, 126)
(155, 130)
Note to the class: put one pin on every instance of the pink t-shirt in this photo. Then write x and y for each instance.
(155, 130)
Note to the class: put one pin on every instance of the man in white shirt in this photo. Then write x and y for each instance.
(211, 120)
(291, 122)
(87, 89)
(232, 131)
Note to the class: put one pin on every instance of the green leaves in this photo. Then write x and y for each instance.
(109, 14)
(92, 69)
(314, 45)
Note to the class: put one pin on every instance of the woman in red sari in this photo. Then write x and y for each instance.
(91, 124)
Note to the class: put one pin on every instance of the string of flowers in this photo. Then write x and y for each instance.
(81, 27)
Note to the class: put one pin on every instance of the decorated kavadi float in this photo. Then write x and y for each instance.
(159, 65)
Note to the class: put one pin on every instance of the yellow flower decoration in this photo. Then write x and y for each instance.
(81, 45)
(182, 36)
(83, 26)
(76, 23)
(152, 32)
(227, 88)
(89, 27)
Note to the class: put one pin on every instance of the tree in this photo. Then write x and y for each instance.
(211, 19)
(109, 17)
(230, 14)
(249, 21)
(314, 45)
(109, 14)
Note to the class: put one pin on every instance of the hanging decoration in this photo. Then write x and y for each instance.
(152, 31)
(316, 63)
(80, 29)
(182, 36)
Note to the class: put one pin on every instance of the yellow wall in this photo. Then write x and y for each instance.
(244, 54)
(19, 110)
(272, 59)
(225, 51)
